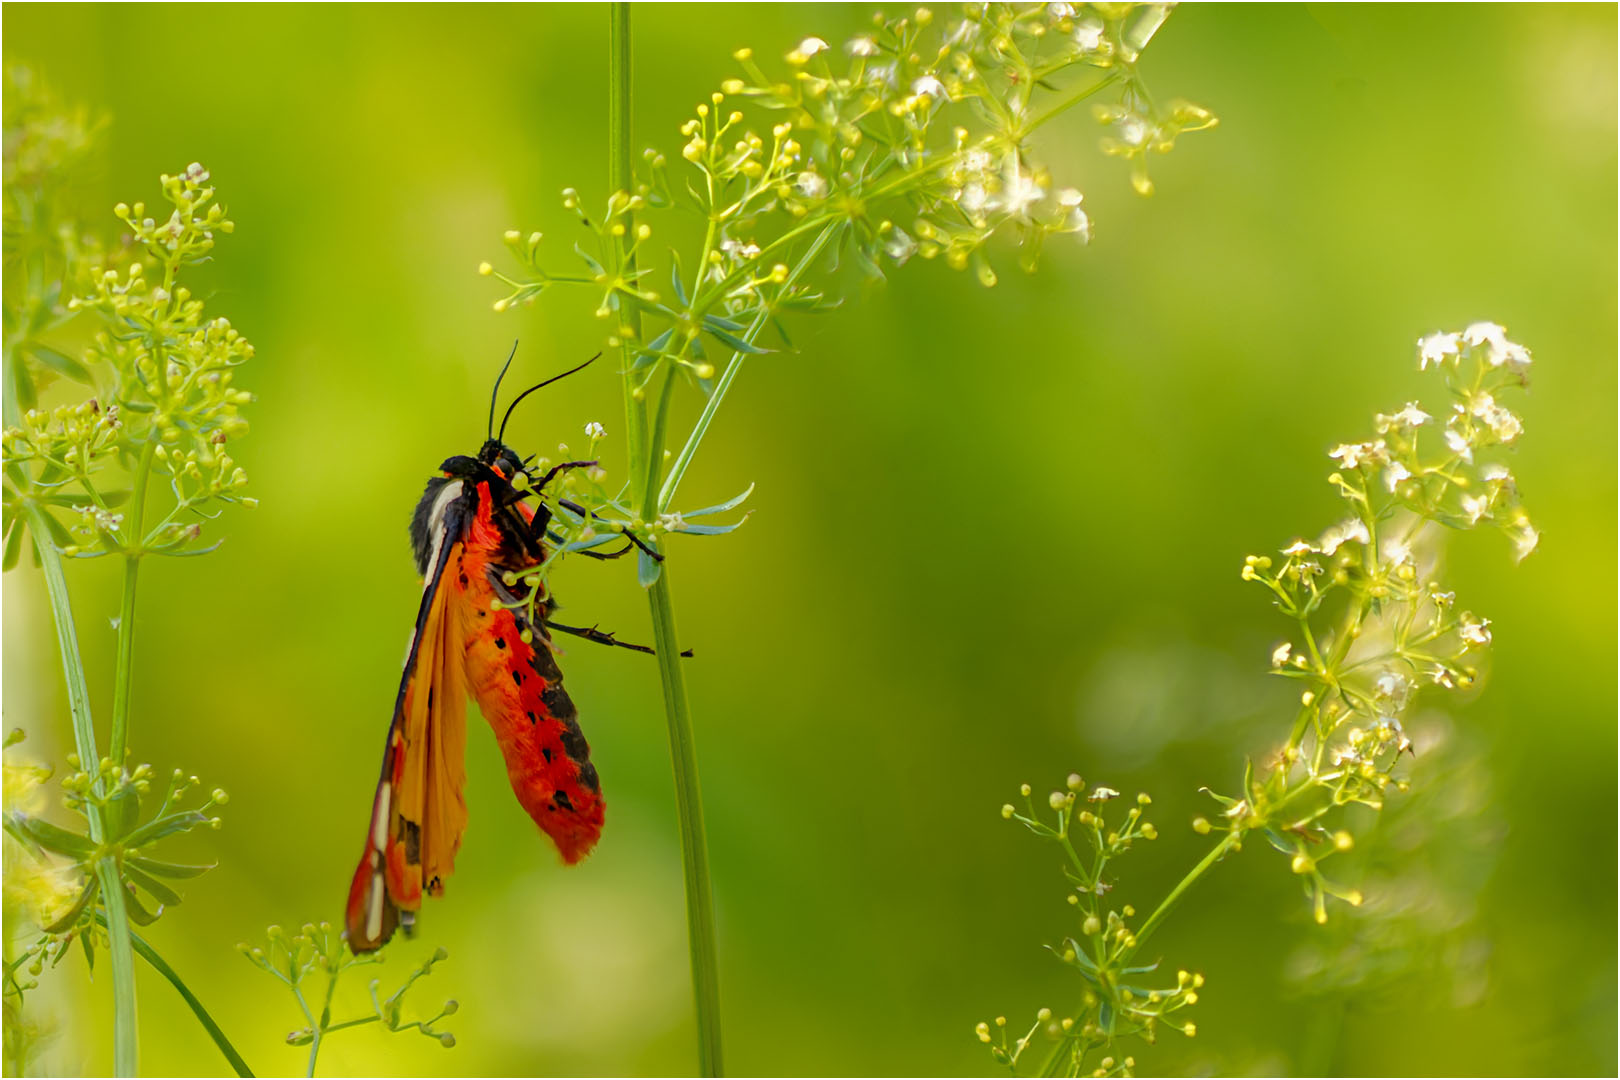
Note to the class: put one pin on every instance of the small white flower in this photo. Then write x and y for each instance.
(1394, 473)
(196, 173)
(1435, 348)
(973, 198)
(810, 46)
(1515, 356)
(740, 249)
(1299, 547)
(977, 161)
(1280, 655)
(1088, 33)
(1411, 416)
(1479, 333)
(1525, 537)
(1132, 131)
(1496, 473)
(1475, 507)
(594, 430)
(1474, 631)
(1019, 191)
(963, 33)
(1342, 533)
(1353, 455)
(1397, 552)
(1059, 10)
(1458, 444)
(861, 46)
(930, 86)
(1391, 685)
(1492, 336)
(1069, 197)
(811, 184)
(899, 245)
(1102, 794)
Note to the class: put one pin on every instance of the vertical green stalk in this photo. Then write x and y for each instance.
(84, 738)
(119, 739)
(646, 461)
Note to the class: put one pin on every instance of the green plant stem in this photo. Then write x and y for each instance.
(84, 737)
(124, 677)
(1228, 843)
(621, 173)
(646, 459)
(161, 966)
(677, 471)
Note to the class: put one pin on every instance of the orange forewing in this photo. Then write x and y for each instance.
(420, 809)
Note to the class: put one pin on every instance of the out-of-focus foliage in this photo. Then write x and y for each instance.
(998, 531)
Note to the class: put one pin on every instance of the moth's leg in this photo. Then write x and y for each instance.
(551, 474)
(602, 637)
(558, 538)
(630, 536)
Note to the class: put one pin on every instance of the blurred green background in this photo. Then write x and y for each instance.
(997, 536)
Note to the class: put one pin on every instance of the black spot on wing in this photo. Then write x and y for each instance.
(563, 800)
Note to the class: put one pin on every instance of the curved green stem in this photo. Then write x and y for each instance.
(84, 737)
(1151, 923)
(161, 966)
(646, 462)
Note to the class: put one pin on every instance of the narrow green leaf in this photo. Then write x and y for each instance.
(165, 826)
(723, 324)
(122, 813)
(65, 923)
(675, 279)
(709, 530)
(137, 911)
(721, 508)
(733, 342)
(54, 837)
(59, 362)
(15, 531)
(647, 569)
(165, 895)
(596, 267)
(59, 534)
(168, 869)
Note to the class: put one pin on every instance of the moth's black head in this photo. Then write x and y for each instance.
(497, 455)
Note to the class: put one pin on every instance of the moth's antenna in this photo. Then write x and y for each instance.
(495, 393)
(532, 389)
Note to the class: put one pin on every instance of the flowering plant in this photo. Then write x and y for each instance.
(917, 142)
(1370, 626)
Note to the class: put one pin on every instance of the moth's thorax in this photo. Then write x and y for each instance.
(476, 501)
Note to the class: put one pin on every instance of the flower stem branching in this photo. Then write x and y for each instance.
(1372, 626)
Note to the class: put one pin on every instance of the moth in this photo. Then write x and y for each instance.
(473, 531)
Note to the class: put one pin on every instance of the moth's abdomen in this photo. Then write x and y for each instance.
(519, 689)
